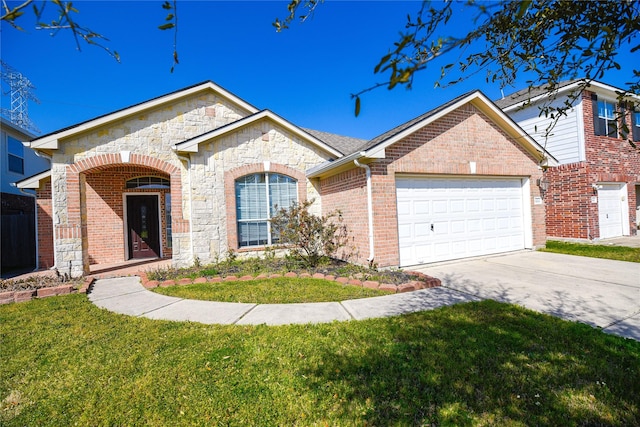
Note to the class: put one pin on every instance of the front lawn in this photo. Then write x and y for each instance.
(283, 290)
(66, 362)
(620, 253)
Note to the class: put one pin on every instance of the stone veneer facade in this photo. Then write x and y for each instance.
(89, 169)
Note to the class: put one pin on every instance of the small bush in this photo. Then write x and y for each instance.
(310, 238)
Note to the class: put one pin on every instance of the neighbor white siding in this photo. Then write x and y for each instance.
(566, 141)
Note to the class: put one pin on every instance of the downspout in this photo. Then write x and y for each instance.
(188, 160)
(369, 209)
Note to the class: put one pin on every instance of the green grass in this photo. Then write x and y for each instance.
(67, 362)
(619, 253)
(282, 290)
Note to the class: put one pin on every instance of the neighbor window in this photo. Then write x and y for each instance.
(636, 126)
(606, 123)
(15, 152)
(258, 196)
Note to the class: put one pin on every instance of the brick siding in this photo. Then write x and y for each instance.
(571, 211)
(444, 147)
(45, 225)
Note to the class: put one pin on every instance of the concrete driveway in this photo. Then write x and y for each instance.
(597, 292)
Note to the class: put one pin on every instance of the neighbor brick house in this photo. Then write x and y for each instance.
(595, 191)
(196, 173)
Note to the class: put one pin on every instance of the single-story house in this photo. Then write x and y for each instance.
(196, 173)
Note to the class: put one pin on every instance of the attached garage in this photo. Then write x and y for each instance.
(459, 181)
(447, 218)
(613, 210)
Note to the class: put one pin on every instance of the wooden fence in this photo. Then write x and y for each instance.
(18, 241)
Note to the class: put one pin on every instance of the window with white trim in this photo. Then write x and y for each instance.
(258, 196)
(607, 118)
(15, 155)
(636, 126)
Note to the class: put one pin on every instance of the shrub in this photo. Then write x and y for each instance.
(310, 238)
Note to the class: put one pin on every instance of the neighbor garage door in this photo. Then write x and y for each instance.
(441, 219)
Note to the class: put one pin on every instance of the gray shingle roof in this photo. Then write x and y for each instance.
(529, 93)
(344, 144)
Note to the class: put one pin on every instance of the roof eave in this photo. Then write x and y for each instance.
(33, 182)
(51, 141)
(191, 146)
(567, 88)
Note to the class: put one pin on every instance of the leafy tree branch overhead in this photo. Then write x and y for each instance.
(544, 41)
(547, 41)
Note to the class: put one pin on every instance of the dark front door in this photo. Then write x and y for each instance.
(144, 228)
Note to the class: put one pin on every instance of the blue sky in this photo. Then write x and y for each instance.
(305, 74)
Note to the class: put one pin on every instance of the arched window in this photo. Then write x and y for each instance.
(258, 196)
(149, 182)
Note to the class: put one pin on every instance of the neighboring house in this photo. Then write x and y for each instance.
(17, 208)
(196, 173)
(595, 192)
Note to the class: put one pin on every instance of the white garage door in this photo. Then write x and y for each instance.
(441, 219)
(611, 201)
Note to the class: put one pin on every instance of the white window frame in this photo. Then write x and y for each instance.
(267, 220)
(10, 155)
(609, 121)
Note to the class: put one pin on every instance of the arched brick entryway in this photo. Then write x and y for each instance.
(95, 205)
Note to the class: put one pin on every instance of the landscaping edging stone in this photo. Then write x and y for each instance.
(424, 282)
(29, 294)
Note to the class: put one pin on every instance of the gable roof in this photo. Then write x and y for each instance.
(375, 148)
(50, 140)
(530, 95)
(191, 145)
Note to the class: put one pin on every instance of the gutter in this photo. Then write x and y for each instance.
(369, 209)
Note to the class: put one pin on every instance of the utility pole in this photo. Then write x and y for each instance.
(21, 91)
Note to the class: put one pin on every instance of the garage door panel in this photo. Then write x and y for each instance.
(404, 231)
(457, 218)
(404, 208)
(422, 229)
(458, 227)
(421, 208)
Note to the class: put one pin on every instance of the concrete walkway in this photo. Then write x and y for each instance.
(126, 295)
(601, 293)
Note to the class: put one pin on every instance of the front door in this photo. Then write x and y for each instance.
(143, 226)
(611, 200)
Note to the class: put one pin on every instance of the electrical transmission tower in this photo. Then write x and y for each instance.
(21, 92)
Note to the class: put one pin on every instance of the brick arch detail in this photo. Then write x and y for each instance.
(76, 172)
(230, 177)
(104, 161)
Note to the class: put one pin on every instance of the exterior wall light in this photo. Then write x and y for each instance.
(543, 184)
